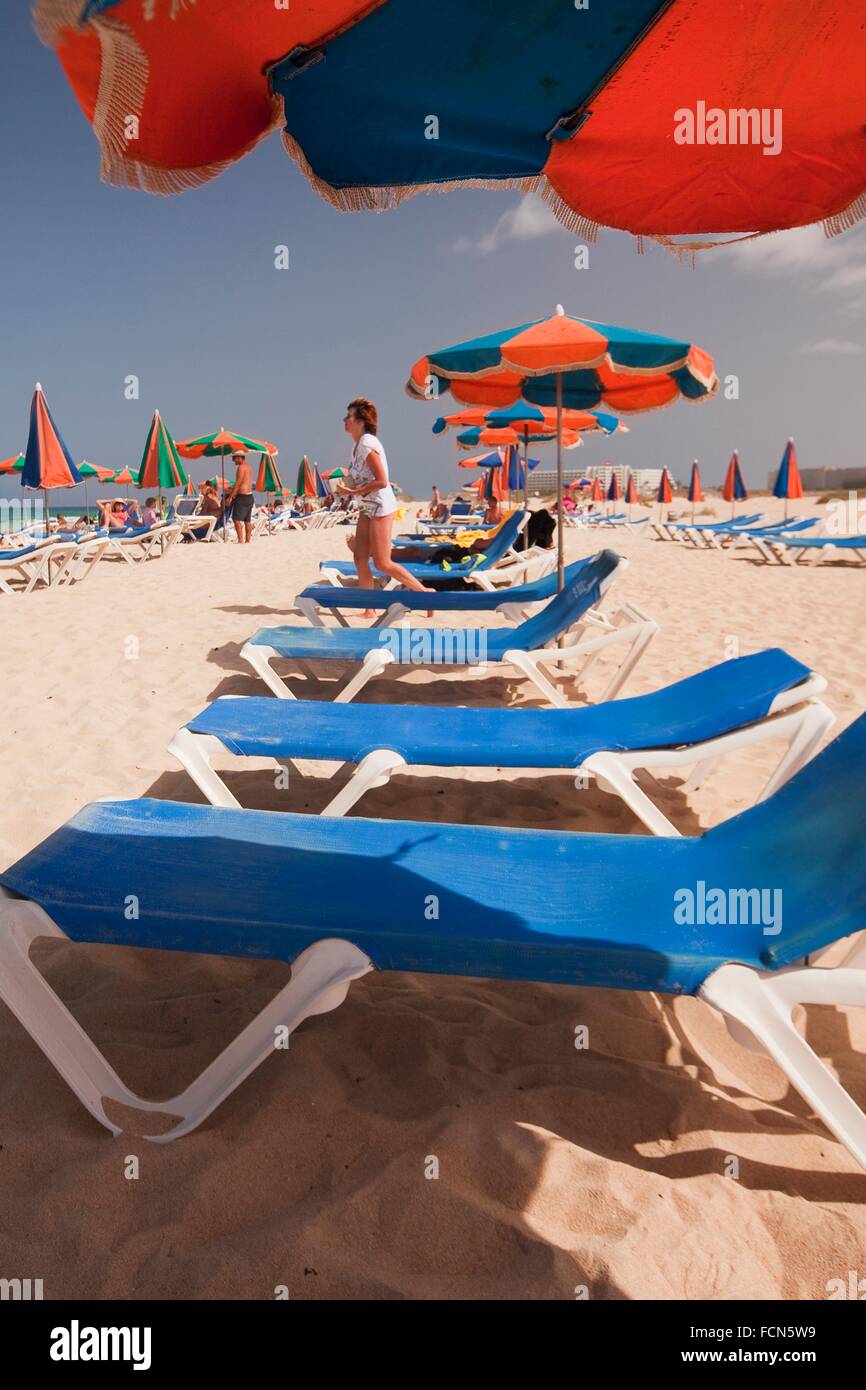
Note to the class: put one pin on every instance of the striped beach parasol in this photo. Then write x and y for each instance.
(788, 483)
(310, 481)
(47, 461)
(664, 494)
(734, 489)
(571, 363)
(631, 496)
(695, 494)
(160, 465)
(607, 115)
(268, 479)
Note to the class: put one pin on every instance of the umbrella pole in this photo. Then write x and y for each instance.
(525, 468)
(225, 508)
(560, 537)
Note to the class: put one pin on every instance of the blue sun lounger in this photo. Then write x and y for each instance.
(794, 549)
(527, 648)
(676, 530)
(690, 724)
(728, 915)
(502, 545)
(734, 536)
(513, 602)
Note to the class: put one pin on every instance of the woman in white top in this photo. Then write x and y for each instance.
(368, 482)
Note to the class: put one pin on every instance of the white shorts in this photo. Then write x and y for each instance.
(375, 507)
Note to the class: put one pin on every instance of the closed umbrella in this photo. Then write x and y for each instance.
(160, 465)
(788, 483)
(630, 494)
(613, 487)
(734, 489)
(695, 494)
(268, 479)
(664, 495)
(47, 461)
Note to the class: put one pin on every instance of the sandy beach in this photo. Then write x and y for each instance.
(559, 1170)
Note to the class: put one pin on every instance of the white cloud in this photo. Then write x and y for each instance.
(833, 347)
(531, 218)
(834, 265)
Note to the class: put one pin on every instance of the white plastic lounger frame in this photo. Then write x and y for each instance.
(756, 1005)
(39, 567)
(796, 716)
(85, 556)
(815, 554)
(627, 625)
(156, 542)
(320, 981)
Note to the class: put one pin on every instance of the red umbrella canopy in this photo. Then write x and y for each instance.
(661, 117)
(631, 491)
(664, 492)
(597, 494)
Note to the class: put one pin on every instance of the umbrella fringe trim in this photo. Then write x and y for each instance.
(371, 198)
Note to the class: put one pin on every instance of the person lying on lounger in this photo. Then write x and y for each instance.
(112, 515)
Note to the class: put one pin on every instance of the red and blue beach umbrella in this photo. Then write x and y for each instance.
(734, 489)
(47, 461)
(664, 494)
(624, 114)
(567, 362)
(788, 482)
(630, 493)
(695, 495)
(613, 493)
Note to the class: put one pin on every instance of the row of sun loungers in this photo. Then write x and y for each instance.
(66, 559)
(787, 542)
(339, 897)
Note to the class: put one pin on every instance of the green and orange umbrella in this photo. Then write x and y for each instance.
(15, 464)
(160, 465)
(126, 478)
(268, 479)
(221, 443)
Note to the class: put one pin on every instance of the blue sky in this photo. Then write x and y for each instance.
(98, 282)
